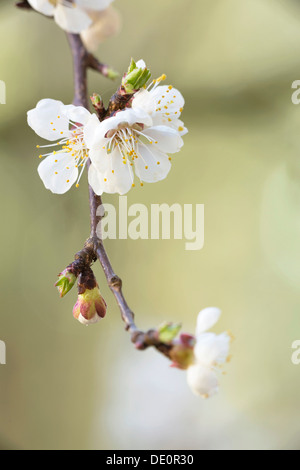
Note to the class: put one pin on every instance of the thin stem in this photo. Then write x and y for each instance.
(93, 248)
(80, 63)
(142, 340)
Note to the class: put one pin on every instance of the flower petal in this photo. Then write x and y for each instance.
(141, 64)
(71, 18)
(43, 6)
(86, 322)
(96, 180)
(130, 116)
(151, 165)
(117, 178)
(211, 349)
(93, 4)
(143, 99)
(106, 23)
(77, 114)
(100, 159)
(179, 126)
(58, 172)
(168, 140)
(94, 132)
(168, 99)
(48, 121)
(160, 119)
(207, 318)
(202, 381)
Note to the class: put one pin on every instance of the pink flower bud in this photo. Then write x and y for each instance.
(90, 307)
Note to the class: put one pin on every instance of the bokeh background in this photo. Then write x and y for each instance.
(70, 387)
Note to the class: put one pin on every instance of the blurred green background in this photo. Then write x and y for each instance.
(67, 386)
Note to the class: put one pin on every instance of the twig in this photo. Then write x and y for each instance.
(24, 4)
(142, 340)
(94, 248)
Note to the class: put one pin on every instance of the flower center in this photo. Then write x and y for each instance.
(74, 145)
(126, 138)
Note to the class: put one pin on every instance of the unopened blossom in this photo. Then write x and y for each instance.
(90, 307)
(71, 15)
(163, 103)
(210, 352)
(64, 162)
(105, 23)
(133, 140)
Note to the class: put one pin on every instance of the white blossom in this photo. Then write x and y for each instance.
(71, 16)
(125, 142)
(135, 141)
(63, 125)
(163, 103)
(105, 24)
(210, 352)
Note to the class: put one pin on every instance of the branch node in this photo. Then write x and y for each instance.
(115, 283)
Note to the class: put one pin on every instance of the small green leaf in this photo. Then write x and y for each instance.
(168, 331)
(112, 74)
(136, 78)
(66, 281)
(132, 66)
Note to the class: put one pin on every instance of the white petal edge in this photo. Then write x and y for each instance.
(172, 98)
(94, 132)
(93, 4)
(168, 140)
(141, 64)
(71, 19)
(149, 157)
(202, 381)
(86, 322)
(48, 121)
(65, 168)
(117, 178)
(77, 114)
(145, 101)
(211, 349)
(207, 318)
(43, 6)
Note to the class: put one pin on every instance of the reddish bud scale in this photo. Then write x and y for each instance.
(182, 353)
(90, 306)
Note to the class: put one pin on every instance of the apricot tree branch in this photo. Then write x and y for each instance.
(94, 248)
(24, 4)
(142, 340)
(88, 60)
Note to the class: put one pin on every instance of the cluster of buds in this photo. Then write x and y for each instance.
(90, 306)
(136, 77)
